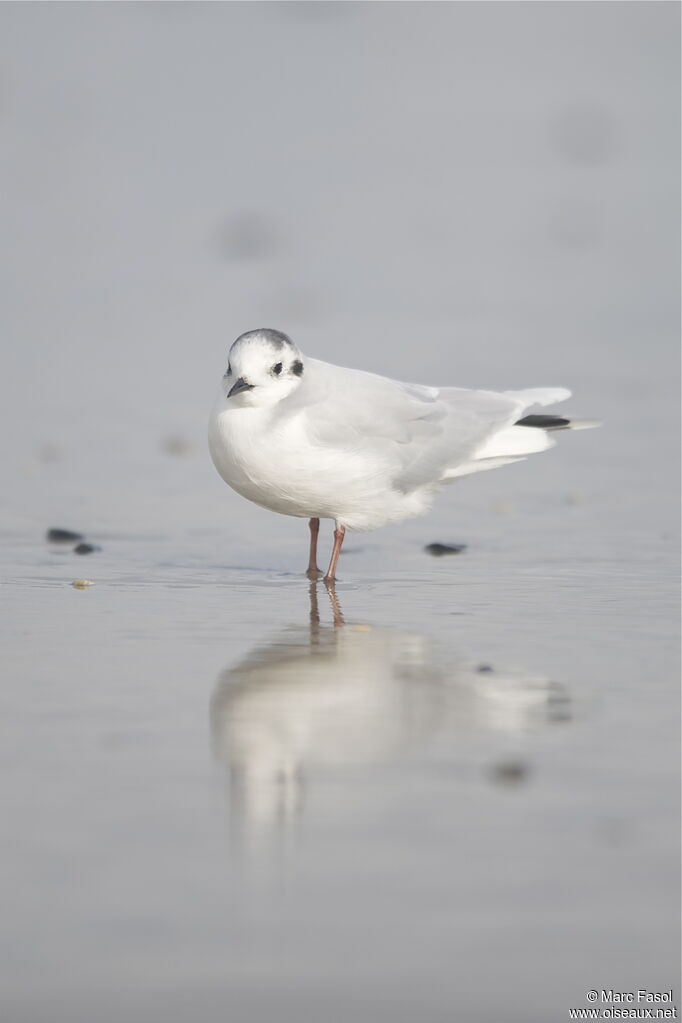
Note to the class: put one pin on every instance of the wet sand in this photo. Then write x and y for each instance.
(451, 793)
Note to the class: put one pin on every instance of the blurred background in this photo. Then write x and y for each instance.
(478, 194)
(482, 194)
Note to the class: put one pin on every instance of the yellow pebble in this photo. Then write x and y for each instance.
(81, 584)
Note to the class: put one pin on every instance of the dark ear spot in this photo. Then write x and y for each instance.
(297, 368)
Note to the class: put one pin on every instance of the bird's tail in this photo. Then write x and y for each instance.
(528, 435)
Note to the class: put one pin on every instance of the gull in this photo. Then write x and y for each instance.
(306, 438)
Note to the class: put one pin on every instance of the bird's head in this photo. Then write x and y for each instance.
(263, 367)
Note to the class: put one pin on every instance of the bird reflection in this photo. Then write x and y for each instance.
(343, 695)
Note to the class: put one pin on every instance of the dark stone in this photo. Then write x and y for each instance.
(485, 669)
(63, 536)
(509, 772)
(86, 548)
(439, 549)
(558, 715)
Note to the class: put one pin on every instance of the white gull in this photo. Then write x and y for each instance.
(305, 438)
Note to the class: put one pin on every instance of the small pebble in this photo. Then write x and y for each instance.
(63, 536)
(86, 548)
(557, 715)
(81, 584)
(439, 549)
(484, 669)
(509, 772)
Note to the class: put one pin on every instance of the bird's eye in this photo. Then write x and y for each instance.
(229, 370)
(277, 368)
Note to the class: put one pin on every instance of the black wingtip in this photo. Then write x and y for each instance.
(544, 422)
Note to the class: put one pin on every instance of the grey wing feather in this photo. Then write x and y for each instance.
(417, 432)
(469, 418)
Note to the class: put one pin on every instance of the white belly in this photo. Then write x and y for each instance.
(279, 469)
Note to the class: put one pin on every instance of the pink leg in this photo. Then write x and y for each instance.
(313, 571)
(339, 534)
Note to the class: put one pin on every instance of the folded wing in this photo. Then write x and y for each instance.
(418, 435)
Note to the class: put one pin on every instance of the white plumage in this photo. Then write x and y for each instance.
(306, 438)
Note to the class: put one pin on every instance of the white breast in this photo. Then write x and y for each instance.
(271, 461)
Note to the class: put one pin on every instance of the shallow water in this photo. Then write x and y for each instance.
(450, 789)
